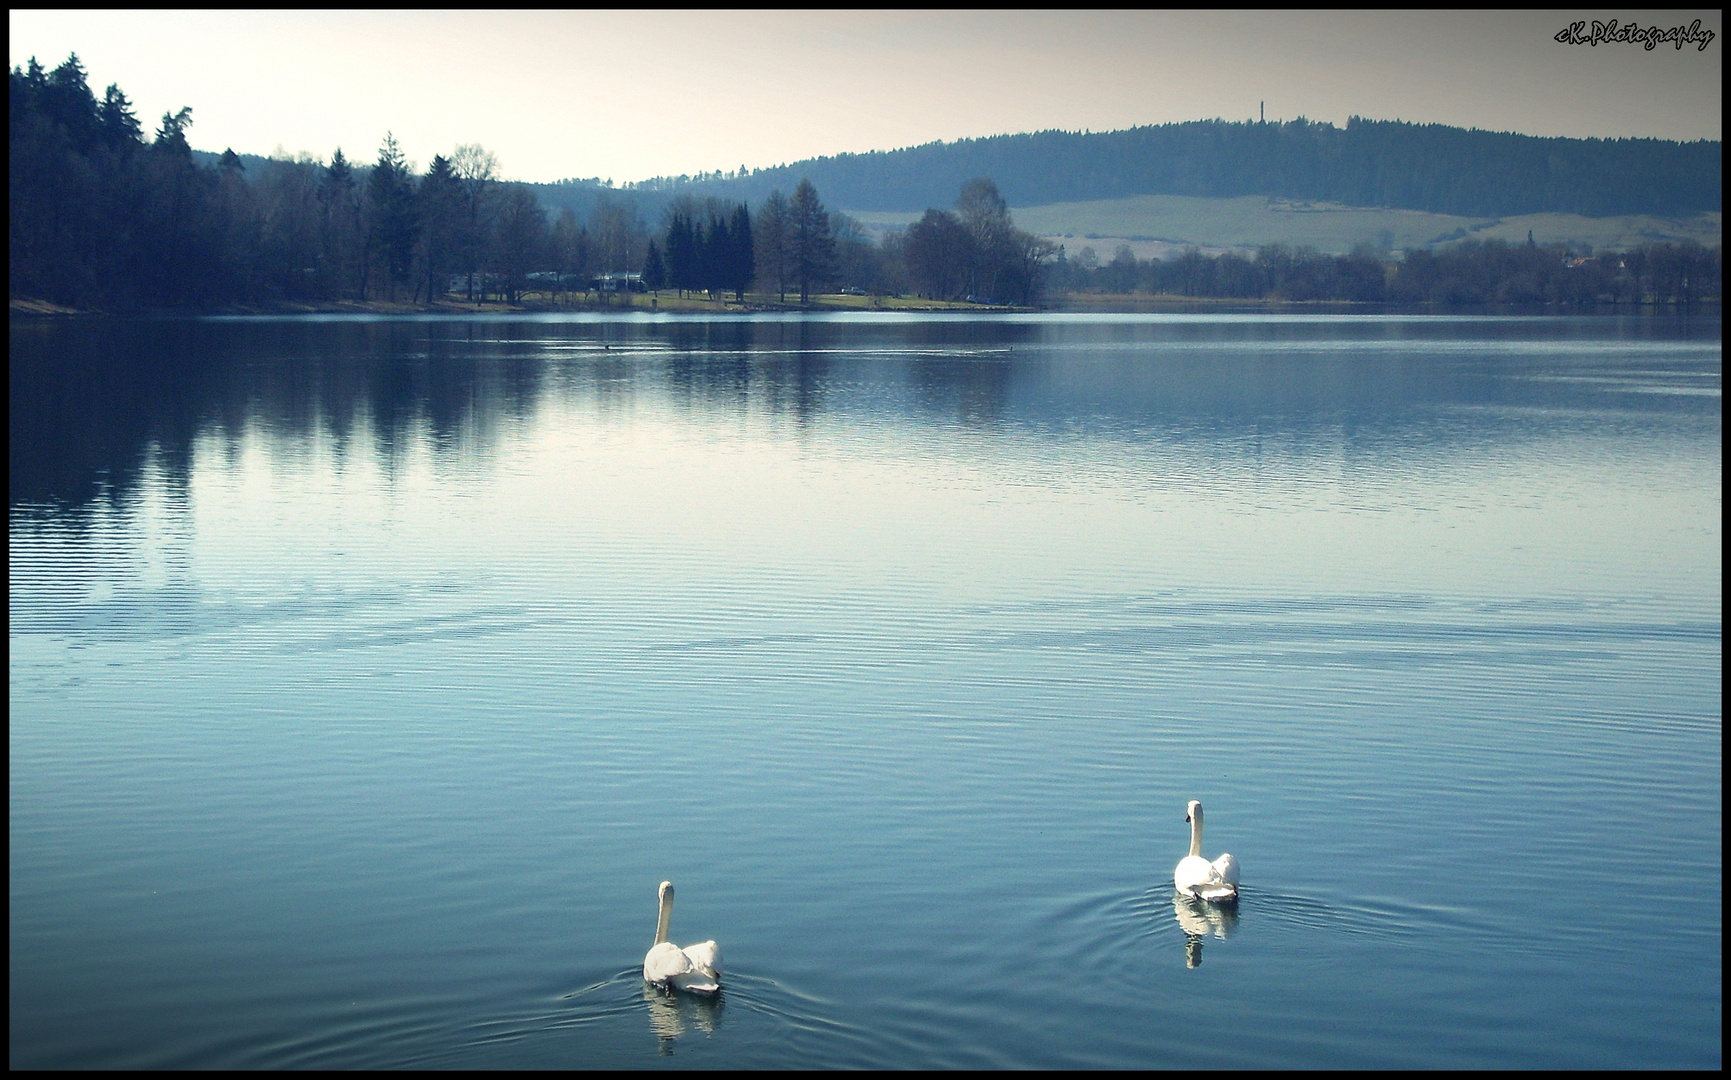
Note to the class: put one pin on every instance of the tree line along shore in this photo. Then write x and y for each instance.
(104, 219)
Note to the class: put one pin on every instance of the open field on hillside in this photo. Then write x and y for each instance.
(1155, 226)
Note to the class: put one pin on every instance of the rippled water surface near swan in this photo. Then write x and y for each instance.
(368, 674)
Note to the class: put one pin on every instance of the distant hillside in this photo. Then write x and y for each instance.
(1220, 184)
(1369, 163)
(1161, 226)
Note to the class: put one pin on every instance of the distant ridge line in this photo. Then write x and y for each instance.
(1370, 163)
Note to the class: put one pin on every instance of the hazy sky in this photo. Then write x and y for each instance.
(632, 94)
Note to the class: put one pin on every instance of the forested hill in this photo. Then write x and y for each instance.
(1386, 163)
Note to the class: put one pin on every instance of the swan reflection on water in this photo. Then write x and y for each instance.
(672, 1014)
(1198, 919)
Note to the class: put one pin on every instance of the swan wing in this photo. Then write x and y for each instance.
(1192, 872)
(665, 963)
(705, 956)
(696, 982)
(1227, 867)
(1196, 876)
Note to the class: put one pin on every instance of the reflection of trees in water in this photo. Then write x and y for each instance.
(975, 391)
(84, 413)
(93, 400)
(1199, 919)
(784, 366)
(672, 1014)
(961, 370)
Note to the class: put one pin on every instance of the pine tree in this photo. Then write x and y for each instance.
(681, 252)
(440, 209)
(654, 270)
(811, 245)
(391, 215)
(772, 243)
(342, 270)
(742, 264)
(715, 249)
(120, 127)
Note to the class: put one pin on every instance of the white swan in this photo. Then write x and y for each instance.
(1196, 876)
(696, 968)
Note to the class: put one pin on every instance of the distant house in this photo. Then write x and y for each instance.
(618, 283)
(484, 283)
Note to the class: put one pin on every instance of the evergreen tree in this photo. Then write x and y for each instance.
(654, 270)
(171, 136)
(341, 265)
(441, 211)
(810, 243)
(178, 229)
(772, 259)
(713, 254)
(681, 245)
(120, 127)
(391, 216)
(742, 262)
(66, 98)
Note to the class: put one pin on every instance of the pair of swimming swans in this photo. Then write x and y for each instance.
(697, 968)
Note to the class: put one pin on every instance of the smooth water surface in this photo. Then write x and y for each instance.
(368, 674)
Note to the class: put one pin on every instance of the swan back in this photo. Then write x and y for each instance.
(1227, 867)
(666, 961)
(705, 956)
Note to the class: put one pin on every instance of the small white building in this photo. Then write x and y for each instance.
(614, 283)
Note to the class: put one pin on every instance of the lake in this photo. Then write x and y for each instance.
(368, 674)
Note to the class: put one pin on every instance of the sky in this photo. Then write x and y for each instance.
(626, 95)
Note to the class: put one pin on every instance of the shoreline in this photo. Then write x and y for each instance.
(1064, 303)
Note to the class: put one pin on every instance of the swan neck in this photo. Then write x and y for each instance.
(662, 921)
(1196, 832)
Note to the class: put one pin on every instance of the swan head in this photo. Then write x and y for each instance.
(665, 892)
(1193, 811)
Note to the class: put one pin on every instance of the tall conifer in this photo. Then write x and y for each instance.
(742, 265)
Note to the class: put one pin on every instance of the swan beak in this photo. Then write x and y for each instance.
(1186, 817)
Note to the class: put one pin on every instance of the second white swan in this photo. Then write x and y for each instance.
(1196, 876)
(696, 968)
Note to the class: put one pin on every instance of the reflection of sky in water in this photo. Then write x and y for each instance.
(1434, 475)
(366, 674)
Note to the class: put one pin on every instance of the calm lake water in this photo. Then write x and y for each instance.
(367, 675)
